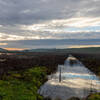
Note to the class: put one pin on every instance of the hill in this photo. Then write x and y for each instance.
(3, 50)
(69, 50)
(90, 50)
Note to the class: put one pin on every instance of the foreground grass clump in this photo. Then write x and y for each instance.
(94, 97)
(22, 85)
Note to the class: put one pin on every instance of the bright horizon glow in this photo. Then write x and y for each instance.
(83, 46)
(75, 46)
(18, 49)
(3, 43)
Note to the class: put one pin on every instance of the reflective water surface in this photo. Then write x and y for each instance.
(72, 79)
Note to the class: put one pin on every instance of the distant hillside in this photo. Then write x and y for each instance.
(3, 50)
(69, 50)
(53, 50)
(85, 50)
(40, 50)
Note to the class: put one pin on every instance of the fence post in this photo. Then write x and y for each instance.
(60, 75)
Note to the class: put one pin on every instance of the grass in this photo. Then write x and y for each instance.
(22, 85)
(94, 97)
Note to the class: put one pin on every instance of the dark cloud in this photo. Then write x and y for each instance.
(51, 43)
(33, 11)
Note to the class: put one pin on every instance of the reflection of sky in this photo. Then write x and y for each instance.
(76, 81)
(88, 77)
(78, 70)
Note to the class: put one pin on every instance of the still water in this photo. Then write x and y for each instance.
(72, 79)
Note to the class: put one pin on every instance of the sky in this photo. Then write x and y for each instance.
(25, 23)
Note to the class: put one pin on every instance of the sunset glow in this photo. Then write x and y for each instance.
(19, 49)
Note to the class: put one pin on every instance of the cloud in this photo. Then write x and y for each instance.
(51, 43)
(80, 22)
(49, 19)
(35, 11)
(4, 36)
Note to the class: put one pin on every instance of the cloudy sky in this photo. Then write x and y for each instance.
(38, 23)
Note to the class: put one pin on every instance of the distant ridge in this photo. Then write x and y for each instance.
(67, 50)
(3, 50)
(41, 50)
(94, 50)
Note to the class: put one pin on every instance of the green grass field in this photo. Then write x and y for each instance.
(22, 85)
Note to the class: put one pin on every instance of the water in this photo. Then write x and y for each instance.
(72, 79)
